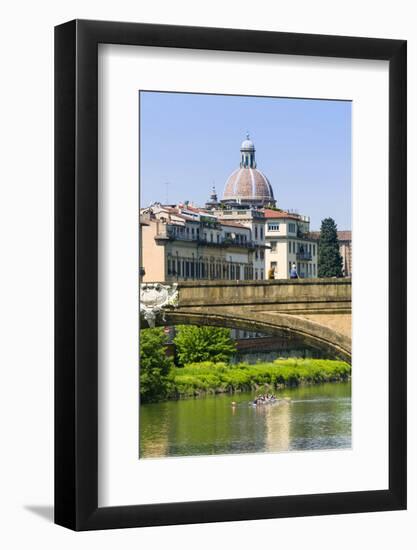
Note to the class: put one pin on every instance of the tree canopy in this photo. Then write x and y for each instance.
(196, 344)
(330, 263)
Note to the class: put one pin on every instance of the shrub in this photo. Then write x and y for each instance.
(154, 365)
(199, 344)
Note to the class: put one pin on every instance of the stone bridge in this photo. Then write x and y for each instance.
(315, 311)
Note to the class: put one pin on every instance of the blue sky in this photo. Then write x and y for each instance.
(303, 146)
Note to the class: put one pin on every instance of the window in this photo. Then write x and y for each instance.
(262, 232)
(314, 249)
(273, 265)
(274, 246)
(273, 226)
(256, 232)
(291, 228)
(261, 254)
(262, 273)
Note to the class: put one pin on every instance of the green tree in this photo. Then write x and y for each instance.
(329, 259)
(196, 344)
(154, 364)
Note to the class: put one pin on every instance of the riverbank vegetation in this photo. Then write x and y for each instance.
(155, 366)
(210, 378)
(160, 379)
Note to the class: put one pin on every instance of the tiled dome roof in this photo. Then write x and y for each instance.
(250, 186)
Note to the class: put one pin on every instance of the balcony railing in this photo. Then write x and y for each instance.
(225, 242)
(305, 256)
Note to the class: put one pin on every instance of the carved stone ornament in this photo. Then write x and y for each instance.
(155, 298)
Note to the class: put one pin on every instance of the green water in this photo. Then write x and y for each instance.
(318, 417)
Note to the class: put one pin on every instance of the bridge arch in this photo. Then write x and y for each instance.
(313, 334)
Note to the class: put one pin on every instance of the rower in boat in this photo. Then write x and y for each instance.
(265, 399)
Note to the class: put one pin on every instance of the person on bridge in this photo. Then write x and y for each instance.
(293, 272)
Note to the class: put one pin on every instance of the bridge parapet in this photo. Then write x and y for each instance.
(262, 293)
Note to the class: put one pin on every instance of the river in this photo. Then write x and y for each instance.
(317, 417)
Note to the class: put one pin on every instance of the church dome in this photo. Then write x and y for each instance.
(247, 185)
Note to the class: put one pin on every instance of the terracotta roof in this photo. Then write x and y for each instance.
(341, 235)
(233, 224)
(192, 208)
(176, 215)
(344, 235)
(282, 214)
(175, 212)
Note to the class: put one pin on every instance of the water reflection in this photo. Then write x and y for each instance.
(317, 417)
(277, 422)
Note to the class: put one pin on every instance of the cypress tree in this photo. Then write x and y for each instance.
(330, 261)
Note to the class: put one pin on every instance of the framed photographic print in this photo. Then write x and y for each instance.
(230, 275)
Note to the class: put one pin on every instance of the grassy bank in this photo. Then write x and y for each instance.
(210, 378)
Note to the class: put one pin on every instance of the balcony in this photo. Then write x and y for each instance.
(201, 241)
(304, 256)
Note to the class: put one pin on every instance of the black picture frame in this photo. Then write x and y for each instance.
(76, 272)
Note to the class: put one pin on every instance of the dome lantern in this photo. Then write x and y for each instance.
(247, 153)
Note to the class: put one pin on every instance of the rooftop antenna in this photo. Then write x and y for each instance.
(167, 183)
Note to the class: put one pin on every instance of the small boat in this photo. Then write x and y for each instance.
(268, 400)
(265, 400)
